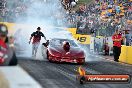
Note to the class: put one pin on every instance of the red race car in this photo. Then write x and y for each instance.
(64, 50)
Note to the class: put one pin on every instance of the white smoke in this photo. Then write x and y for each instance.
(47, 14)
(42, 12)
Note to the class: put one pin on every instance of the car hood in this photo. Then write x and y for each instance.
(72, 52)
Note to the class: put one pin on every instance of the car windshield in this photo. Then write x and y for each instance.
(59, 42)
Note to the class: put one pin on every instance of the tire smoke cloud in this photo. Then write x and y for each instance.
(47, 14)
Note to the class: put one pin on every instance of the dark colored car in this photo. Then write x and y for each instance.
(57, 53)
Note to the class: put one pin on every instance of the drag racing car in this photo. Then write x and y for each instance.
(64, 50)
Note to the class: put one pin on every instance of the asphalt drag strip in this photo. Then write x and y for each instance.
(54, 75)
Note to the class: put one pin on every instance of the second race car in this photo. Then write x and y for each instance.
(64, 50)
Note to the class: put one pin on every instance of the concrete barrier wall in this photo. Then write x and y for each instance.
(3, 81)
(16, 77)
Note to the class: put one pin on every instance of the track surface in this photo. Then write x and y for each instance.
(53, 75)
